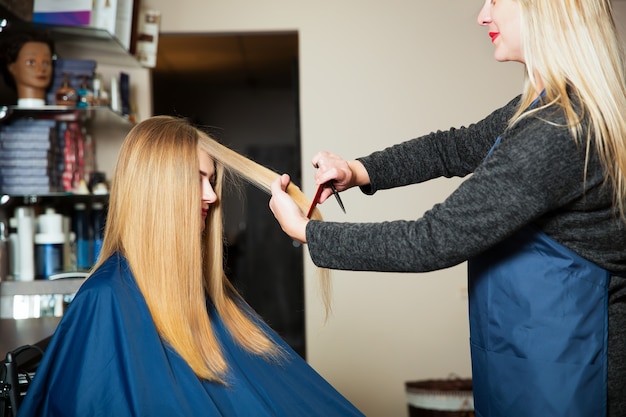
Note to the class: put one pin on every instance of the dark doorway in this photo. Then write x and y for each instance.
(243, 89)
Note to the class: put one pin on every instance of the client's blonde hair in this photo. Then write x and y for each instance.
(154, 221)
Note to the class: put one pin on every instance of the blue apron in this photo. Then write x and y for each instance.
(538, 330)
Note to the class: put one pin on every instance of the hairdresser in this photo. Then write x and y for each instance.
(541, 220)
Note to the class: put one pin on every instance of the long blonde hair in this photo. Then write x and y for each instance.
(574, 47)
(153, 221)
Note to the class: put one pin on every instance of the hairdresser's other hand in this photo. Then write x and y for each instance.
(291, 219)
(343, 174)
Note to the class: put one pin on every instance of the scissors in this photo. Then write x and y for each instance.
(318, 194)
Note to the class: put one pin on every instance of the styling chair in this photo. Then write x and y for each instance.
(16, 373)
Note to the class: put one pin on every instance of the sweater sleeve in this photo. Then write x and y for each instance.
(451, 153)
(536, 168)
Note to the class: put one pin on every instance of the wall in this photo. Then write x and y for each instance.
(373, 73)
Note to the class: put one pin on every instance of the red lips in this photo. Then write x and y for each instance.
(494, 35)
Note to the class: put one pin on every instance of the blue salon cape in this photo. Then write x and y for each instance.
(538, 330)
(107, 359)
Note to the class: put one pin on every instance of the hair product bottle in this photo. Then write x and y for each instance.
(66, 94)
(84, 93)
(4, 252)
(14, 249)
(26, 248)
(80, 224)
(98, 218)
(49, 242)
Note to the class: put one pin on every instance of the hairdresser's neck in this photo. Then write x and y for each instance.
(539, 87)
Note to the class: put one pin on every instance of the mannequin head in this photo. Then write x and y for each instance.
(27, 66)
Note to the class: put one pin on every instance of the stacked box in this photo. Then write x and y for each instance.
(30, 161)
(66, 13)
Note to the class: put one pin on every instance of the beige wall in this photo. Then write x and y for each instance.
(373, 73)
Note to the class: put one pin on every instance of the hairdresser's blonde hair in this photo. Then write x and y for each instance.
(154, 221)
(574, 47)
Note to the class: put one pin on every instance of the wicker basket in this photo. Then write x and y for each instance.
(440, 397)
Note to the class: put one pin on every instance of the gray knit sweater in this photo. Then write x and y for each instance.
(536, 175)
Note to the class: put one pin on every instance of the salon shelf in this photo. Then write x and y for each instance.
(108, 129)
(96, 114)
(41, 287)
(71, 41)
(50, 199)
(10, 289)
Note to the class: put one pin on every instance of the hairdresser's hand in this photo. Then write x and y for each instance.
(291, 219)
(343, 174)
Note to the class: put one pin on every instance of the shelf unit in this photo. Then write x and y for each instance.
(41, 287)
(94, 115)
(72, 41)
(69, 281)
(62, 202)
(77, 42)
(107, 128)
